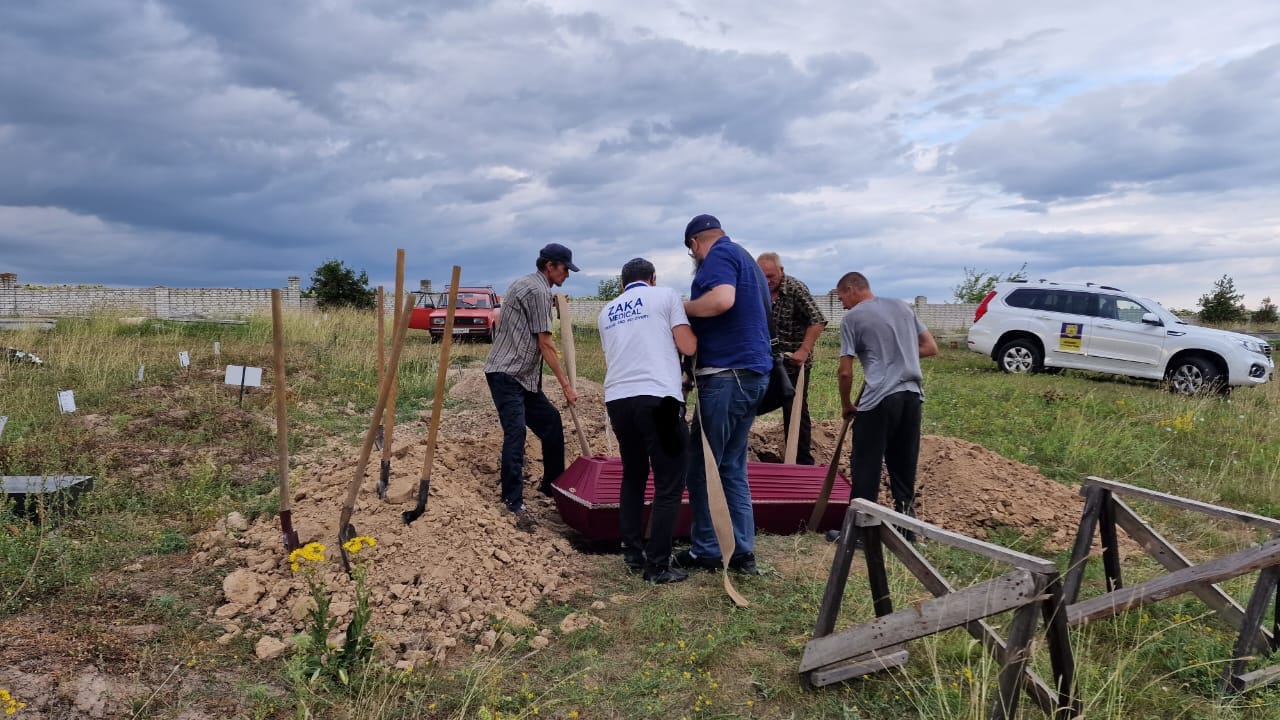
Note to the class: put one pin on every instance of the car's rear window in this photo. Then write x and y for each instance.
(1063, 301)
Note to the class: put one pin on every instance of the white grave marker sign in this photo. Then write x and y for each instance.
(67, 401)
(4, 420)
(142, 370)
(217, 348)
(184, 359)
(252, 376)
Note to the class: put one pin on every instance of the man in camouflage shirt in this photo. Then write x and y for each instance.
(800, 323)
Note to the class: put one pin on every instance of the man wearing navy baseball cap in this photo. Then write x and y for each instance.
(729, 314)
(521, 343)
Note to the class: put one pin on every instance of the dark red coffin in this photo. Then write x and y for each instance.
(782, 497)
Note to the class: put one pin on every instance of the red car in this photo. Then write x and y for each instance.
(476, 315)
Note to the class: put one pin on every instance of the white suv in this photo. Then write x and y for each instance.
(1032, 327)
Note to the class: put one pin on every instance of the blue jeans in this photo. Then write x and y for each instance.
(727, 406)
(518, 408)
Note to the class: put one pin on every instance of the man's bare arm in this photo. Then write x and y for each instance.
(548, 348)
(686, 341)
(928, 346)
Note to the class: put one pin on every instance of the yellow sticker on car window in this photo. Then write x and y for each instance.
(1071, 337)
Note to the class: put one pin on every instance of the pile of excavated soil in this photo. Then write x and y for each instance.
(961, 486)
(443, 579)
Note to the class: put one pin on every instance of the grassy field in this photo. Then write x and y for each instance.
(671, 652)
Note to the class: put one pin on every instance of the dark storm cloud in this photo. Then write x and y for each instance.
(1211, 128)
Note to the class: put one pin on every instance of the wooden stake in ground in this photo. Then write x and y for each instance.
(389, 420)
(437, 402)
(820, 507)
(382, 354)
(793, 431)
(345, 530)
(287, 533)
(570, 352)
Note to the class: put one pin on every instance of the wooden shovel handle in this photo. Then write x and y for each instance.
(282, 400)
(570, 350)
(442, 376)
(402, 307)
(397, 344)
(820, 507)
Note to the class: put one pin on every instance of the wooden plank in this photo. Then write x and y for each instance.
(1110, 547)
(1172, 560)
(1253, 617)
(1261, 521)
(1061, 659)
(925, 618)
(859, 666)
(1093, 500)
(1175, 583)
(877, 574)
(933, 532)
(839, 576)
(1021, 631)
(1259, 677)
(934, 582)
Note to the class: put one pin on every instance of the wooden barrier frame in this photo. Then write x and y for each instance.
(1033, 588)
(1103, 512)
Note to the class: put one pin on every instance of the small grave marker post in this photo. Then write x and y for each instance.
(67, 401)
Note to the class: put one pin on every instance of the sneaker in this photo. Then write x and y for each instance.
(662, 576)
(685, 559)
(744, 564)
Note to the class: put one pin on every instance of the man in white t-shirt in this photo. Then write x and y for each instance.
(644, 331)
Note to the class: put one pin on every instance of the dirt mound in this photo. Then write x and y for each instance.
(438, 584)
(960, 486)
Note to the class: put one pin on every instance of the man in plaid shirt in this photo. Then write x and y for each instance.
(800, 323)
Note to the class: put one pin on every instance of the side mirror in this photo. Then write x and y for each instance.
(1151, 319)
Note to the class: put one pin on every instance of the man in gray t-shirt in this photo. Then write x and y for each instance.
(888, 340)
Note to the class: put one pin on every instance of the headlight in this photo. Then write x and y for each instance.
(1253, 346)
(437, 321)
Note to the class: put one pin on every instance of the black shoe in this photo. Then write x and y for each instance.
(634, 561)
(744, 564)
(544, 487)
(662, 576)
(685, 559)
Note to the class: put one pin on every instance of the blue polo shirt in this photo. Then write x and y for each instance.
(739, 337)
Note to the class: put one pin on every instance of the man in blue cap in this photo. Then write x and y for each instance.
(729, 314)
(521, 343)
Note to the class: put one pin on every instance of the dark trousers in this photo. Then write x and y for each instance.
(518, 408)
(804, 453)
(651, 432)
(889, 431)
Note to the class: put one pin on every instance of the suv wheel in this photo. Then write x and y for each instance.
(1019, 357)
(1193, 376)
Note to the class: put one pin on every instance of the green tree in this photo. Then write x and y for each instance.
(334, 285)
(1266, 312)
(976, 285)
(609, 288)
(1224, 304)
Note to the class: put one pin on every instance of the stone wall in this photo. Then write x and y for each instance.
(18, 300)
(70, 300)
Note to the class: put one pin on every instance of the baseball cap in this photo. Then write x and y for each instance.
(698, 224)
(558, 253)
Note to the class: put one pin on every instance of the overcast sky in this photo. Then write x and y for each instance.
(237, 142)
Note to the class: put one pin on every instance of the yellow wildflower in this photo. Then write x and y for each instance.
(358, 543)
(9, 704)
(311, 552)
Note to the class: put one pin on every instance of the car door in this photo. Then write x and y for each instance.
(1122, 342)
(1067, 328)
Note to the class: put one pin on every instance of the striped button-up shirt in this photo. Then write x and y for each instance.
(526, 312)
(794, 312)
